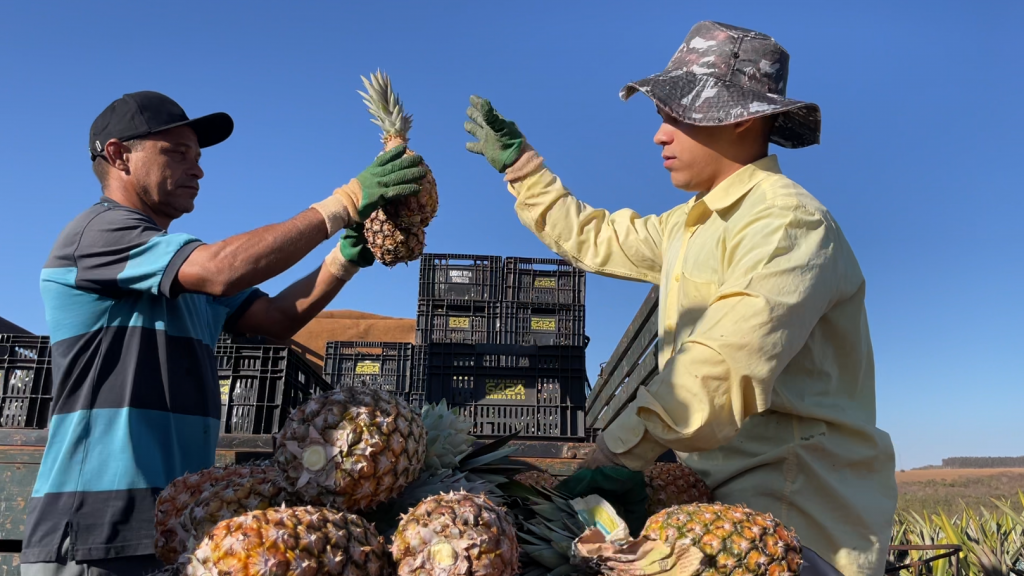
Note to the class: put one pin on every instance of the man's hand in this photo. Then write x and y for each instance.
(621, 487)
(392, 175)
(353, 247)
(499, 140)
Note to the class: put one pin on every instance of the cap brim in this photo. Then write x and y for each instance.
(210, 130)
(706, 101)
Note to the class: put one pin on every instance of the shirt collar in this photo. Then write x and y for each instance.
(740, 182)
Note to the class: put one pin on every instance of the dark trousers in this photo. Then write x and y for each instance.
(124, 566)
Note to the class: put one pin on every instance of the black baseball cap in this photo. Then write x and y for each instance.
(146, 112)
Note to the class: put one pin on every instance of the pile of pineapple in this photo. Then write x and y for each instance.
(360, 483)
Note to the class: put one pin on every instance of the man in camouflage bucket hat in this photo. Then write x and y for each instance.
(766, 371)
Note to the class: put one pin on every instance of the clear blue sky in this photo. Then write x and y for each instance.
(922, 123)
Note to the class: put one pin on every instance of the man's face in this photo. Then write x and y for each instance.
(694, 155)
(165, 171)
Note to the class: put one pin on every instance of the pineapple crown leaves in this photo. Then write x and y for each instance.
(385, 107)
(490, 453)
(448, 438)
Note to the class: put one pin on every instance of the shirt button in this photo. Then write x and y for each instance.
(676, 277)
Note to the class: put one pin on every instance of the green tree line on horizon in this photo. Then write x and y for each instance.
(960, 462)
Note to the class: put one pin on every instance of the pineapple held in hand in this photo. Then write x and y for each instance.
(456, 534)
(394, 233)
(671, 484)
(301, 541)
(351, 448)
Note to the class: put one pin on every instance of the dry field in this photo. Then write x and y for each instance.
(931, 490)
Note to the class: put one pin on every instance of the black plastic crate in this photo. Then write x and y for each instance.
(382, 365)
(529, 325)
(460, 277)
(261, 385)
(544, 281)
(538, 390)
(26, 381)
(458, 321)
(226, 338)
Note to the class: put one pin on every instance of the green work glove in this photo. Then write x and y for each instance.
(499, 140)
(391, 175)
(353, 247)
(623, 488)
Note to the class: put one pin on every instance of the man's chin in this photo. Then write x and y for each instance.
(682, 183)
(185, 207)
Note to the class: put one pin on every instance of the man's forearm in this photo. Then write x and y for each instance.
(620, 244)
(248, 259)
(283, 315)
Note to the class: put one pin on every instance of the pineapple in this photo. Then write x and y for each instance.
(173, 501)
(671, 484)
(394, 232)
(262, 489)
(296, 541)
(456, 534)
(351, 448)
(392, 245)
(478, 471)
(733, 539)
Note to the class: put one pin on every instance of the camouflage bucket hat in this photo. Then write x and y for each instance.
(724, 74)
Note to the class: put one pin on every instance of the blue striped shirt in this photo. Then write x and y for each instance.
(136, 402)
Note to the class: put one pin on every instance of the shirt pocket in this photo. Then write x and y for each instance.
(694, 298)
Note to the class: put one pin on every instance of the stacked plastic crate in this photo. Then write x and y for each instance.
(503, 340)
(382, 365)
(26, 381)
(260, 384)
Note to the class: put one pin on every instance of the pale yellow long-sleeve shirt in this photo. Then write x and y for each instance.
(766, 385)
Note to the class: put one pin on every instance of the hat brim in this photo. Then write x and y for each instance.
(707, 101)
(210, 130)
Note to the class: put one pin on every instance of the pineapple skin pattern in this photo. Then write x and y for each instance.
(298, 541)
(352, 448)
(395, 231)
(735, 540)
(456, 534)
(174, 502)
(671, 484)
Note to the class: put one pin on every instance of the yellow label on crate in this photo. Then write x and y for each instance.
(544, 324)
(544, 283)
(367, 367)
(505, 389)
(458, 322)
(225, 389)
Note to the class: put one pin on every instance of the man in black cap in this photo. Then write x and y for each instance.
(134, 313)
(766, 385)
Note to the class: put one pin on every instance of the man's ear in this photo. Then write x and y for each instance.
(117, 155)
(743, 125)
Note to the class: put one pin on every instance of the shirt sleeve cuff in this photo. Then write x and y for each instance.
(171, 272)
(628, 438)
(530, 183)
